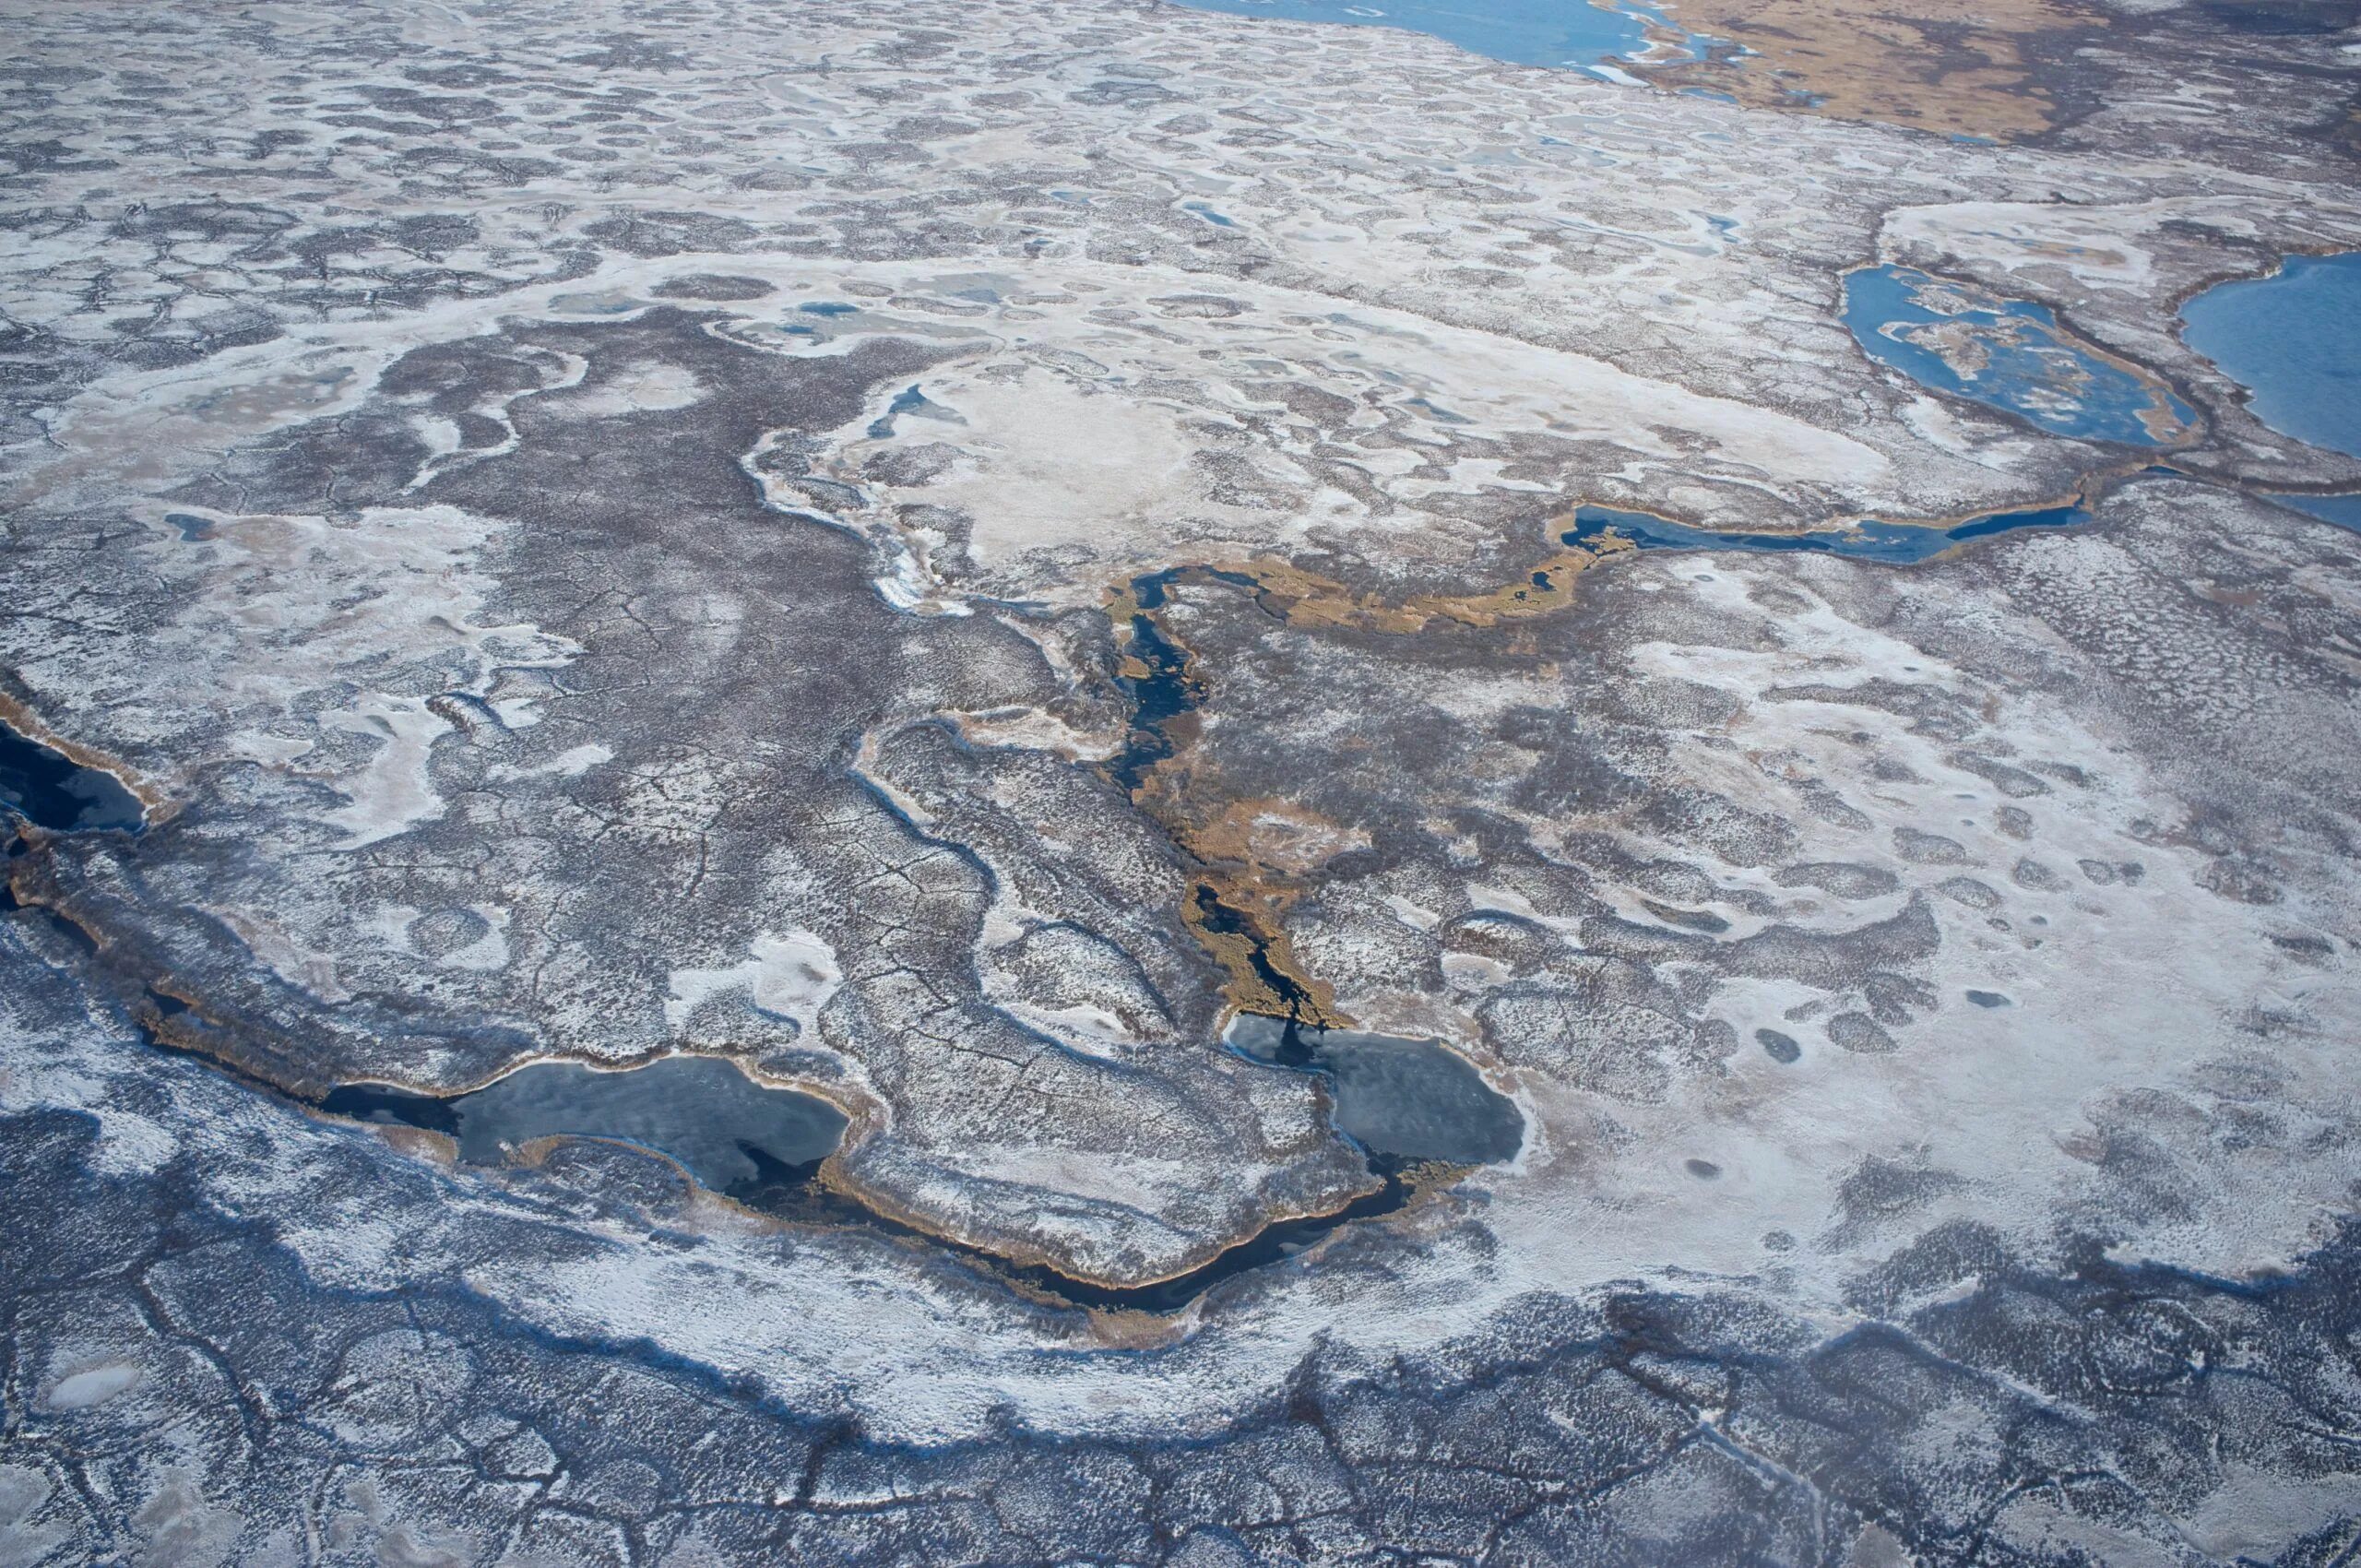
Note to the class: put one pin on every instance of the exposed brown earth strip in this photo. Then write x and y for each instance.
(1920, 63)
(1251, 858)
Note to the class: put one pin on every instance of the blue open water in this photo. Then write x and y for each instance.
(1868, 540)
(2032, 367)
(50, 790)
(2342, 510)
(2031, 364)
(2292, 341)
(1522, 32)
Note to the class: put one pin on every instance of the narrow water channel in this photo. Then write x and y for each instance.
(1867, 540)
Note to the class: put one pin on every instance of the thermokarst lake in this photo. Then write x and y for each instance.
(49, 790)
(2292, 340)
(2007, 355)
(728, 1132)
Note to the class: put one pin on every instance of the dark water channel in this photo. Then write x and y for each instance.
(1167, 691)
(1164, 693)
(1273, 1243)
(1867, 540)
(763, 1147)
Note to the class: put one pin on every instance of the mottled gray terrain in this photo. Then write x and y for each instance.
(940, 556)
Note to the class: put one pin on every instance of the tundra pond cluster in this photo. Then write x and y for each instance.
(1039, 782)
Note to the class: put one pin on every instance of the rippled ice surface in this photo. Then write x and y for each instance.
(728, 1131)
(2292, 341)
(2006, 354)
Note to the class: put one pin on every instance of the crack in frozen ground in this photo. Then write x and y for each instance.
(279, 1410)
